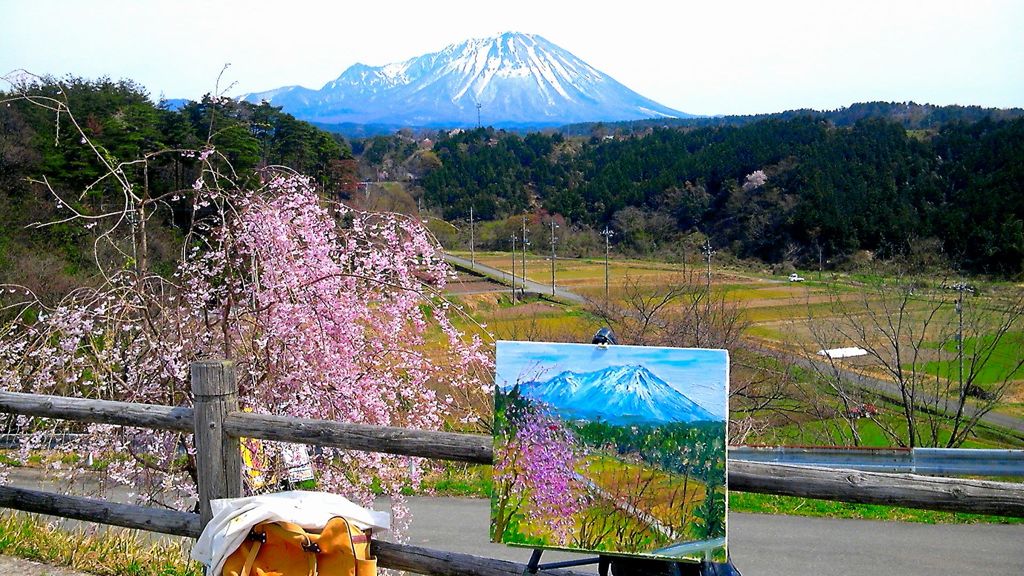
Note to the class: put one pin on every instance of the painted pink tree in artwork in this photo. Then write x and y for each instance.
(535, 474)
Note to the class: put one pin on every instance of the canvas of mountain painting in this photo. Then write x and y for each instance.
(613, 450)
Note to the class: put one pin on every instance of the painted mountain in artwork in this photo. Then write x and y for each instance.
(508, 80)
(629, 394)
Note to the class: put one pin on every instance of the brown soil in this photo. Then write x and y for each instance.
(1014, 392)
(473, 286)
(523, 310)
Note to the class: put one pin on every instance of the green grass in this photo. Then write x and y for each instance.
(795, 506)
(1012, 409)
(787, 312)
(755, 292)
(1002, 366)
(823, 433)
(107, 552)
(459, 480)
(766, 332)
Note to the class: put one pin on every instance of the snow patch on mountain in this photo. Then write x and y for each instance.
(629, 394)
(509, 79)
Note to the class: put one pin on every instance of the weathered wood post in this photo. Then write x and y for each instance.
(218, 456)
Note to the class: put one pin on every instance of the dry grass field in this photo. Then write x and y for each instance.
(798, 318)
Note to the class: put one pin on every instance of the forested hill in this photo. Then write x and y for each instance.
(779, 189)
(125, 125)
(910, 115)
(774, 189)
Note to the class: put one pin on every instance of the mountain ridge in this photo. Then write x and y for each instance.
(509, 79)
(622, 394)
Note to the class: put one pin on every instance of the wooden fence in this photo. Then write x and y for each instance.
(217, 425)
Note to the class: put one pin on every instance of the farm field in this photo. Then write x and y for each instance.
(791, 318)
(669, 498)
(776, 310)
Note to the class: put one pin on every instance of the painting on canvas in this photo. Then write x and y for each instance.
(616, 450)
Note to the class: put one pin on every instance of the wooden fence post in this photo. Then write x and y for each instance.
(218, 456)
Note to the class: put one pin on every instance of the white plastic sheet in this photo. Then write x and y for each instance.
(837, 353)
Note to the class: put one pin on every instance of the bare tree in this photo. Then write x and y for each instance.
(931, 349)
(831, 397)
(685, 311)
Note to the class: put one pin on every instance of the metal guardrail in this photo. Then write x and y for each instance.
(927, 461)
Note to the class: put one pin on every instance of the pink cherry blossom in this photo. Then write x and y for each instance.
(327, 313)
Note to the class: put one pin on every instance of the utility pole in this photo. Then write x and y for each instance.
(821, 260)
(960, 331)
(607, 233)
(553, 226)
(513, 268)
(960, 288)
(472, 243)
(708, 253)
(525, 242)
(478, 106)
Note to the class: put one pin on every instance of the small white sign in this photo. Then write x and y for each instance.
(296, 460)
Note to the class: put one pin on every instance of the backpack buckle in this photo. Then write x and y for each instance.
(311, 547)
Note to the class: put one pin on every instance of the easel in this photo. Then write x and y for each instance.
(626, 566)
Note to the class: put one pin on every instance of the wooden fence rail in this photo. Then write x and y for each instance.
(389, 554)
(217, 425)
(909, 490)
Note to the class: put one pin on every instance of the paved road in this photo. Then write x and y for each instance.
(506, 279)
(764, 545)
(760, 544)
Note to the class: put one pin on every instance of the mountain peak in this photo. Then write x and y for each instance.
(622, 394)
(513, 78)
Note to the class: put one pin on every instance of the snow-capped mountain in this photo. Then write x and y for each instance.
(511, 79)
(629, 394)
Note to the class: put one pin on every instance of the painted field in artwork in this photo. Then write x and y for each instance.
(617, 450)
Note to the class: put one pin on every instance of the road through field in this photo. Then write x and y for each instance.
(561, 294)
(765, 545)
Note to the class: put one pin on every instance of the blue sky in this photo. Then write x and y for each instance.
(723, 57)
(700, 374)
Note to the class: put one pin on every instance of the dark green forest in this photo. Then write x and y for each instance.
(910, 115)
(40, 149)
(803, 187)
(777, 190)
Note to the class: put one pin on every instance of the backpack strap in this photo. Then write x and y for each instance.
(310, 547)
(251, 557)
(259, 538)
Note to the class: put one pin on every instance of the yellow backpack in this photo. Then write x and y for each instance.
(286, 549)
